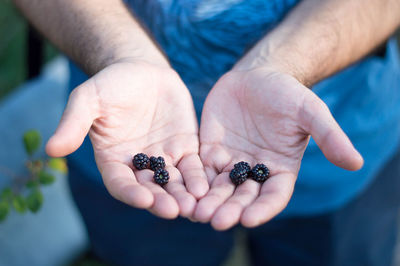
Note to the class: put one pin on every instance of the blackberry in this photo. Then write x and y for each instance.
(157, 163)
(141, 161)
(238, 175)
(161, 176)
(243, 165)
(260, 173)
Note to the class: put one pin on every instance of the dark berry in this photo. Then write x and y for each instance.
(141, 161)
(242, 165)
(260, 173)
(161, 176)
(238, 175)
(156, 163)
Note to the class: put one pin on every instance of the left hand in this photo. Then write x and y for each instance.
(262, 116)
(129, 107)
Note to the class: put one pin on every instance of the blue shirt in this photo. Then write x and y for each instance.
(204, 38)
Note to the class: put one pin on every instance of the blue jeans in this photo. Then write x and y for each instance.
(361, 233)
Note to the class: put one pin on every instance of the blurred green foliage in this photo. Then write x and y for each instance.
(25, 193)
(32, 141)
(13, 44)
(13, 31)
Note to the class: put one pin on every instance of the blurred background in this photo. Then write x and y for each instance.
(33, 80)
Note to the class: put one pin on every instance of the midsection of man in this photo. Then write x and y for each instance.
(204, 39)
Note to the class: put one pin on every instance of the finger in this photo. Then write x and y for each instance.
(78, 117)
(164, 205)
(274, 196)
(177, 189)
(221, 189)
(333, 142)
(121, 183)
(192, 219)
(229, 213)
(215, 156)
(194, 175)
(211, 174)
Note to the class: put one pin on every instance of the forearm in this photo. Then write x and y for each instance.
(319, 37)
(93, 33)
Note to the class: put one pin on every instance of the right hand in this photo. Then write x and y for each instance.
(262, 115)
(131, 107)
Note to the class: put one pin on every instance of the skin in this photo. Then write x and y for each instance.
(266, 117)
(134, 102)
(131, 107)
(260, 111)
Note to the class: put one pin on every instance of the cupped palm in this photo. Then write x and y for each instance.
(132, 107)
(262, 116)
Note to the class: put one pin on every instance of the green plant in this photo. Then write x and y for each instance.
(25, 193)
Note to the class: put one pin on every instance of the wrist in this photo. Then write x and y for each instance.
(275, 58)
(150, 55)
(289, 51)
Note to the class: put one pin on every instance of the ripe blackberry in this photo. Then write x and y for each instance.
(161, 176)
(238, 175)
(243, 165)
(156, 163)
(141, 161)
(260, 173)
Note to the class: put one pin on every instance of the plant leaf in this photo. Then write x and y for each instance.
(46, 178)
(58, 164)
(4, 210)
(19, 203)
(32, 141)
(34, 200)
(6, 194)
(32, 183)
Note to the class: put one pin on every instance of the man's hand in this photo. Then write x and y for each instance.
(134, 103)
(131, 107)
(261, 112)
(262, 116)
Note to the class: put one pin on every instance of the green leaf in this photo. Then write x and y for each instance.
(58, 164)
(32, 141)
(32, 183)
(6, 194)
(46, 178)
(4, 210)
(19, 203)
(34, 200)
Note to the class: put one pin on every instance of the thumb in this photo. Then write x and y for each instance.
(78, 117)
(330, 138)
